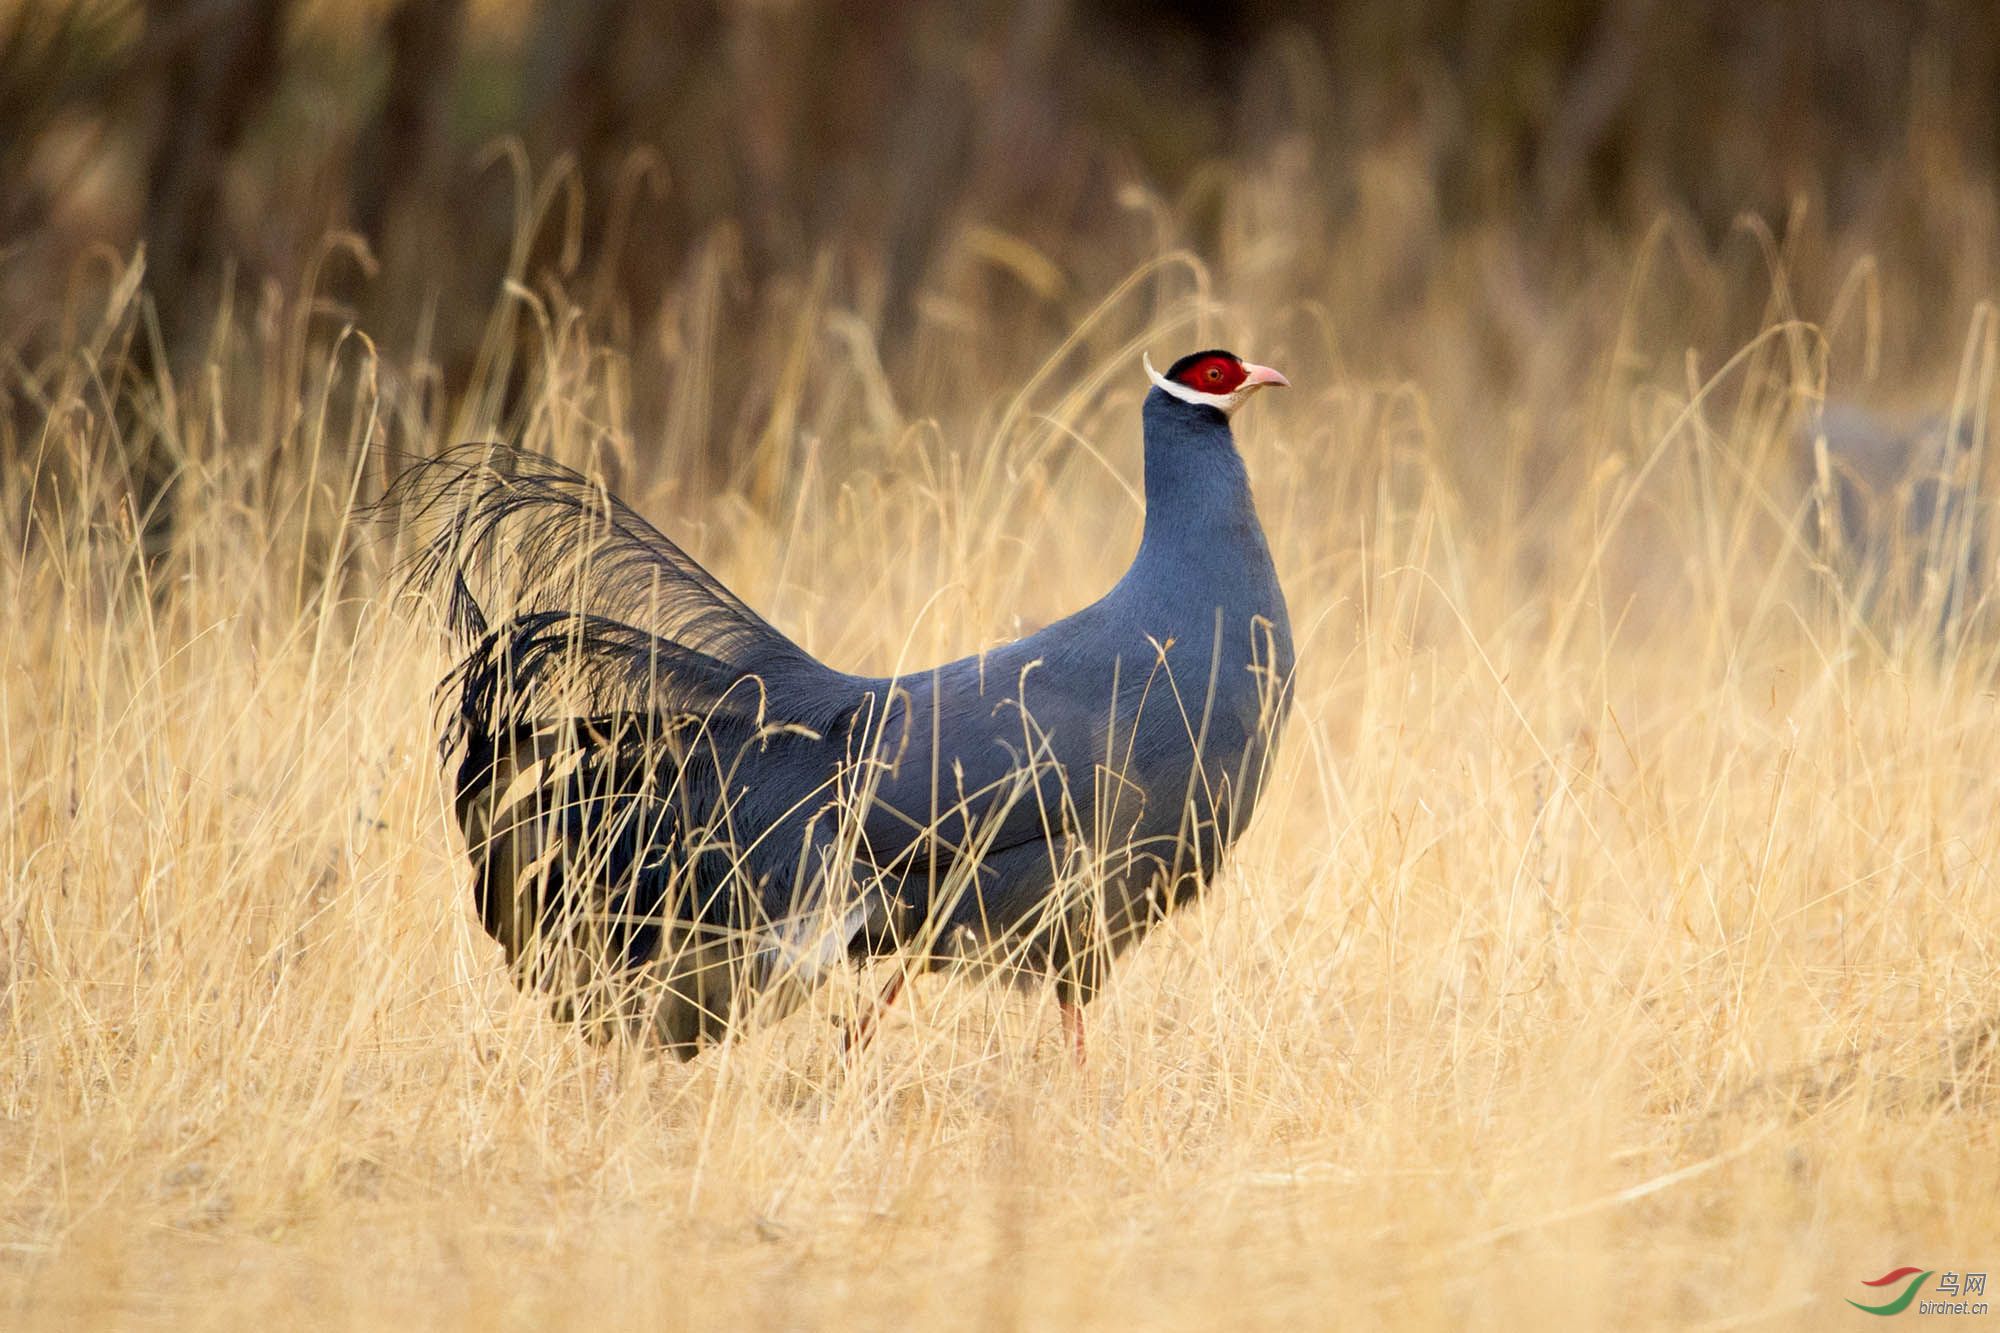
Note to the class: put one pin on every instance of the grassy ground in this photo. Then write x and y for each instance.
(1621, 947)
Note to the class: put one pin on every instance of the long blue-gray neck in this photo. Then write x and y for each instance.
(1199, 517)
(1204, 569)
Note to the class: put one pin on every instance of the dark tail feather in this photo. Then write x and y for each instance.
(464, 621)
(647, 772)
(648, 846)
(513, 533)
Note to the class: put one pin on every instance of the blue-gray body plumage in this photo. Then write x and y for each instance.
(659, 790)
(1073, 751)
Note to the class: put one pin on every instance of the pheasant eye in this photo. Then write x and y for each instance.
(1214, 373)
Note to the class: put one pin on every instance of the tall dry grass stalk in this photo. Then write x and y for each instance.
(1619, 948)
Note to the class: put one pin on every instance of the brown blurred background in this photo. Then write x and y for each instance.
(713, 191)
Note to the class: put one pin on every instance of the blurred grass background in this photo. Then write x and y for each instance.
(1619, 948)
(963, 182)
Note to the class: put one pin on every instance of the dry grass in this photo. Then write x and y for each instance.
(1614, 953)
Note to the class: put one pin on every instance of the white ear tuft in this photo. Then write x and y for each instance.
(1159, 380)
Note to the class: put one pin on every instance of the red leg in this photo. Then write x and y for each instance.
(1072, 1026)
(857, 1038)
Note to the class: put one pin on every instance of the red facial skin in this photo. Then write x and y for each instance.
(1213, 374)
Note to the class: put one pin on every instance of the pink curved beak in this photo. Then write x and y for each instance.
(1259, 376)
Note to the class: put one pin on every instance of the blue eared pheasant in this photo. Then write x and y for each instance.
(677, 817)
